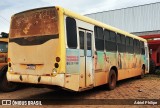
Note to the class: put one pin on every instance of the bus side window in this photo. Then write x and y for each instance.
(113, 40)
(118, 38)
(134, 45)
(71, 32)
(107, 39)
(113, 36)
(81, 39)
(123, 38)
(89, 41)
(110, 40)
(142, 48)
(121, 43)
(127, 44)
(99, 38)
(131, 45)
(138, 47)
(106, 35)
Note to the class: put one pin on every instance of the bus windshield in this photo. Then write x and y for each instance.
(39, 22)
(3, 47)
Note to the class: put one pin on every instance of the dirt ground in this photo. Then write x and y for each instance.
(124, 95)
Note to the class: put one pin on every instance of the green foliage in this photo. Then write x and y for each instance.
(4, 35)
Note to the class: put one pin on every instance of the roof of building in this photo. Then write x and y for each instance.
(132, 19)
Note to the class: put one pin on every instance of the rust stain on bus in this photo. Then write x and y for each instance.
(35, 23)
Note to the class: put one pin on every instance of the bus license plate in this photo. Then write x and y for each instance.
(31, 67)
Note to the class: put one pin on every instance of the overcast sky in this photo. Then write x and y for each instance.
(10, 7)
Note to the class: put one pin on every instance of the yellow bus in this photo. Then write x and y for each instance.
(54, 46)
(4, 84)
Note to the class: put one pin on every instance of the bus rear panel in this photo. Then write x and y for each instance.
(34, 47)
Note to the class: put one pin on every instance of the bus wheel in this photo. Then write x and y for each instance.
(5, 85)
(112, 80)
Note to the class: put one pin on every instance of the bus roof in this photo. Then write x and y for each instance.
(89, 20)
(92, 21)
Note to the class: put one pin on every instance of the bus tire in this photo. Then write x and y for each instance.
(5, 85)
(112, 79)
(152, 67)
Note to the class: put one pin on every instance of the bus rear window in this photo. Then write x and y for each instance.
(3, 47)
(38, 22)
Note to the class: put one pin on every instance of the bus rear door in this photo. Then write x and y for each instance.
(86, 64)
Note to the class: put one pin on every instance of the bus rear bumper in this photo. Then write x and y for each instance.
(49, 80)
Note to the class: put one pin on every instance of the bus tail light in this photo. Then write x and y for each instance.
(9, 60)
(9, 64)
(58, 59)
(56, 65)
